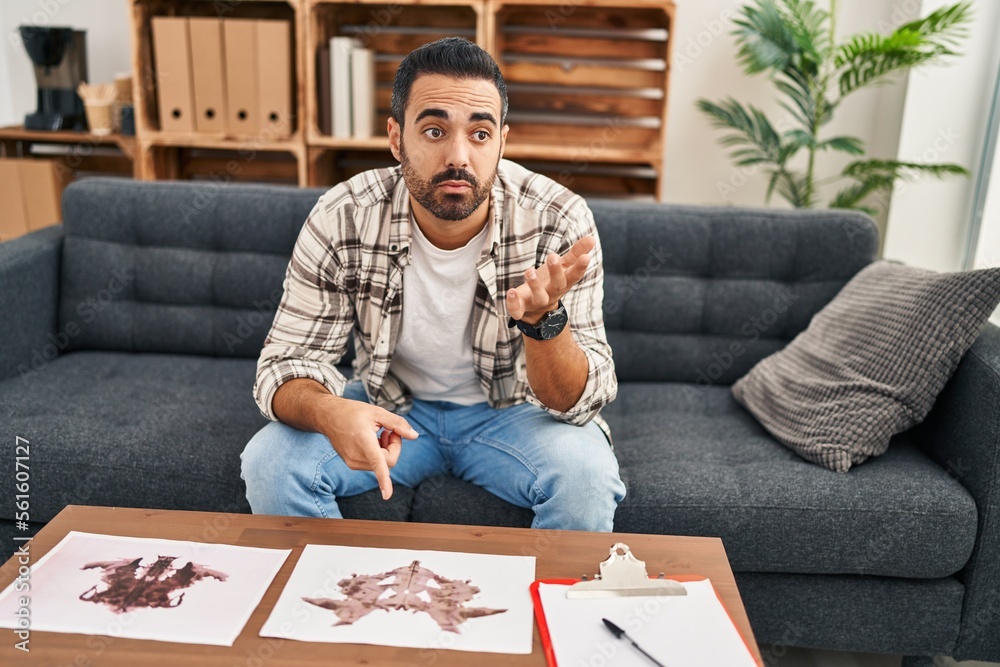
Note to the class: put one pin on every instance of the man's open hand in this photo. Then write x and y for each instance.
(353, 429)
(545, 285)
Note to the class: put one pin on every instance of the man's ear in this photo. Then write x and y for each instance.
(503, 138)
(395, 132)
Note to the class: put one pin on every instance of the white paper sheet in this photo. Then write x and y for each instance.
(692, 630)
(399, 609)
(209, 600)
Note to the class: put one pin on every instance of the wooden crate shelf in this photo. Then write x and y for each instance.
(328, 166)
(169, 155)
(370, 143)
(264, 143)
(391, 30)
(637, 180)
(80, 152)
(587, 82)
(165, 162)
(591, 78)
(517, 150)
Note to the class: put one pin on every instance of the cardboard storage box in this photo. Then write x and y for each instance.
(30, 195)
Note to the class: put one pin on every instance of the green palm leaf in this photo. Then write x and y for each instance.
(899, 169)
(765, 40)
(794, 188)
(808, 25)
(876, 175)
(947, 26)
(865, 59)
(851, 196)
(844, 144)
(803, 106)
(750, 131)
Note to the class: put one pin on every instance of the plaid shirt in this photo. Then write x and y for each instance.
(346, 275)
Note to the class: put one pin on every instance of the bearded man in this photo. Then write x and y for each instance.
(473, 290)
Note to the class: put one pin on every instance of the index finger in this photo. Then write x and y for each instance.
(376, 459)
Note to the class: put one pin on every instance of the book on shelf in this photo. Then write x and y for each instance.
(351, 89)
(323, 88)
(362, 93)
(340, 85)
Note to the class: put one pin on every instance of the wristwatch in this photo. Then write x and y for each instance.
(550, 326)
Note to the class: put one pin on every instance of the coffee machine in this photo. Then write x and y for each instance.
(59, 56)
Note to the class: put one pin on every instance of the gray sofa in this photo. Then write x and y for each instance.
(129, 338)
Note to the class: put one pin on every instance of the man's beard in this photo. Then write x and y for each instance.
(446, 205)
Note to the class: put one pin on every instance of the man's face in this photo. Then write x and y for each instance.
(451, 144)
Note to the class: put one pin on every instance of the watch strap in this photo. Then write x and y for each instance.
(536, 330)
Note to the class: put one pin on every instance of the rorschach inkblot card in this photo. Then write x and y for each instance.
(401, 597)
(142, 588)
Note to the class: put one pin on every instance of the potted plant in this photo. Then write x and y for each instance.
(793, 42)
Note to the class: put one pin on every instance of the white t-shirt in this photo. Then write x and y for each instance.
(433, 354)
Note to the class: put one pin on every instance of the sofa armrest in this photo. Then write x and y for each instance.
(962, 433)
(29, 301)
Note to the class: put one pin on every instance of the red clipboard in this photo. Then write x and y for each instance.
(543, 626)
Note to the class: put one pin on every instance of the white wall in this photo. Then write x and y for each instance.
(108, 45)
(988, 243)
(944, 120)
(6, 104)
(697, 169)
(988, 247)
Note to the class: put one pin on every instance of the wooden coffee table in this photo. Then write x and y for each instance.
(558, 554)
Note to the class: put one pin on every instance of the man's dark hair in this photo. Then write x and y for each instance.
(451, 56)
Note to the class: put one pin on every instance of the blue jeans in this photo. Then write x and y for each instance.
(567, 474)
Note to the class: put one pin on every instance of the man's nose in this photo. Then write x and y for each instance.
(458, 153)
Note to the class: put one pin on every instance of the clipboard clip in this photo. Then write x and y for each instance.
(624, 575)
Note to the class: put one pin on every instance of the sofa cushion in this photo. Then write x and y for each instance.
(696, 463)
(139, 430)
(152, 430)
(111, 417)
(175, 267)
(701, 294)
(871, 363)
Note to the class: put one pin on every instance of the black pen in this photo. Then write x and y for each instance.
(618, 632)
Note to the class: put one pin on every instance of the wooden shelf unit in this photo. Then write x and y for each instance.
(391, 29)
(167, 156)
(587, 84)
(79, 154)
(587, 80)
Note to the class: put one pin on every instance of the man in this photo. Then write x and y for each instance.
(473, 289)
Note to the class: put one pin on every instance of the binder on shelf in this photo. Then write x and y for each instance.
(681, 623)
(14, 216)
(340, 85)
(274, 78)
(209, 74)
(362, 93)
(31, 192)
(172, 55)
(43, 182)
(243, 117)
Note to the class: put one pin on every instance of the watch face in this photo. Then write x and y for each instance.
(552, 324)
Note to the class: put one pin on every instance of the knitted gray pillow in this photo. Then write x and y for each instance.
(871, 363)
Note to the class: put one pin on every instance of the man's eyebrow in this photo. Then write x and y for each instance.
(432, 112)
(474, 117)
(482, 115)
